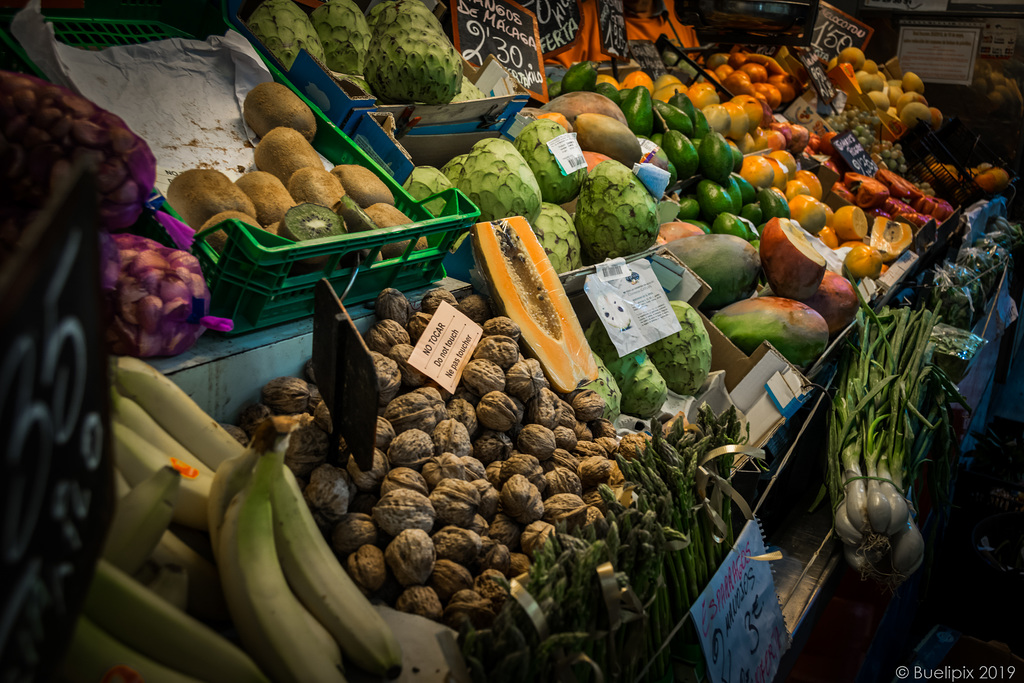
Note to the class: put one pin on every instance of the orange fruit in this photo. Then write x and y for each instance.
(665, 93)
(716, 60)
(739, 123)
(828, 236)
(556, 117)
(757, 171)
(665, 80)
(780, 175)
(795, 187)
(863, 261)
(704, 96)
(753, 108)
(811, 181)
(722, 72)
(850, 223)
(757, 72)
(605, 78)
(829, 215)
(786, 85)
(787, 160)
(772, 95)
(737, 59)
(739, 82)
(808, 212)
(637, 78)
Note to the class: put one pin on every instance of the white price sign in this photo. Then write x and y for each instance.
(446, 346)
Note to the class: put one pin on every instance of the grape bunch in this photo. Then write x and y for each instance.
(864, 125)
(890, 155)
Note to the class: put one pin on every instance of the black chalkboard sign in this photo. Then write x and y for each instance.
(558, 23)
(646, 55)
(835, 31)
(611, 26)
(345, 376)
(820, 81)
(57, 476)
(508, 31)
(854, 154)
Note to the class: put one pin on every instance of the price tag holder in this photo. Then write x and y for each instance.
(611, 26)
(835, 30)
(854, 154)
(819, 79)
(897, 269)
(739, 622)
(631, 304)
(646, 55)
(446, 346)
(558, 22)
(568, 154)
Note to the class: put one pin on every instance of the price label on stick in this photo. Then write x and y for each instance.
(611, 26)
(446, 346)
(558, 22)
(854, 154)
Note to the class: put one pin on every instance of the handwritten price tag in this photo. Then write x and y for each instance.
(446, 346)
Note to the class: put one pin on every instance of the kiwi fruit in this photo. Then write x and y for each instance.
(200, 193)
(268, 195)
(218, 239)
(355, 218)
(271, 104)
(310, 222)
(386, 216)
(363, 185)
(315, 186)
(283, 151)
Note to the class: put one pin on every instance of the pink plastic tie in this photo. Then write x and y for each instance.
(182, 235)
(219, 324)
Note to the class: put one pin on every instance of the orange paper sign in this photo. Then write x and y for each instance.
(446, 346)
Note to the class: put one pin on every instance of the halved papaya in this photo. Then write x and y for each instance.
(508, 253)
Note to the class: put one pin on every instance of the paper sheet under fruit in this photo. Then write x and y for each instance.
(184, 97)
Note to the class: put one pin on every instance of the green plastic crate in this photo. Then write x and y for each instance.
(260, 279)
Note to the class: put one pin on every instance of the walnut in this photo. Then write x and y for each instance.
(602, 427)
(389, 378)
(525, 379)
(589, 449)
(404, 509)
(367, 568)
(468, 606)
(411, 411)
(467, 396)
(322, 418)
(489, 499)
(525, 465)
(285, 395)
(252, 416)
(504, 351)
(595, 470)
(617, 478)
(384, 334)
(435, 401)
(421, 600)
(476, 308)
(519, 564)
(411, 557)
(565, 438)
(482, 376)
(594, 498)
(631, 444)
(501, 326)
(404, 478)
(493, 473)
(448, 578)
(566, 415)
(385, 433)
(411, 377)
(561, 480)
(542, 409)
(418, 324)
(412, 448)
(458, 545)
(492, 585)
(478, 524)
(432, 299)
(534, 536)
(465, 412)
(327, 494)
(236, 432)
(562, 458)
(497, 557)
(368, 481)
(596, 519)
(440, 467)
(521, 500)
(565, 507)
(456, 502)
(536, 440)
(609, 445)
(498, 411)
(588, 405)
(353, 530)
(363, 503)
(583, 432)
(505, 530)
(492, 446)
(473, 468)
(307, 447)
(391, 304)
(451, 436)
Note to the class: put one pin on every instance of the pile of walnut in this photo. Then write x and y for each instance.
(464, 487)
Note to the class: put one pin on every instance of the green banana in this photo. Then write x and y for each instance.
(141, 518)
(231, 477)
(205, 596)
(132, 415)
(170, 583)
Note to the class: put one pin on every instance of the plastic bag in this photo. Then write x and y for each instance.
(157, 298)
(952, 295)
(954, 350)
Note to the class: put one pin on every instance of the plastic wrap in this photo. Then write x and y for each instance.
(954, 297)
(954, 350)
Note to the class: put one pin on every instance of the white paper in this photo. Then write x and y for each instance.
(567, 153)
(446, 346)
(183, 97)
(940, 52)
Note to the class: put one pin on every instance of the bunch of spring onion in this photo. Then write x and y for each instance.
(890, 404)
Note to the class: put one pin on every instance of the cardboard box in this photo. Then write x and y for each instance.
(804, 110)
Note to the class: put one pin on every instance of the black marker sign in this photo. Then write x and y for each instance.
(508, 31)
(558, 23)
(57, 477)
(646, 55)
(611, 25)
(820, 81)
(835, 31)
(854, 154)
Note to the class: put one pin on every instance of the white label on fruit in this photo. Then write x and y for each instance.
(631, 303)
(647, 149)
(446, 346)
(567, 153)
